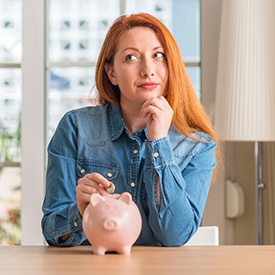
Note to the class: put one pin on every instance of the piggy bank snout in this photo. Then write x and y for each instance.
(110, 224)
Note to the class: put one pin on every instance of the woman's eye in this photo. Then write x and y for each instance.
(159, 55)
(130, 57)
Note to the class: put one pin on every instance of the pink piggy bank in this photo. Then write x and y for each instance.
(112, 223)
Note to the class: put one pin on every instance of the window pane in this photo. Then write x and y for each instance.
(10, 31)
(10, 196)
(186, 28)
(10, 121)
(69, 88)
(10, 113)
(77, 28)
(195, 76)
(162, 9)
(182, 17)
(10, 156)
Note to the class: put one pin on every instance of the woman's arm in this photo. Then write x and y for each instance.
(175, 213)
(60, 212)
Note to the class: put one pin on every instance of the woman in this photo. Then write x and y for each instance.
(149, 136)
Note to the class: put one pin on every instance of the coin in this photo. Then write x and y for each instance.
(111, 188)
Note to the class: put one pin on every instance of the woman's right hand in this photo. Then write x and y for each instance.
(92, 183)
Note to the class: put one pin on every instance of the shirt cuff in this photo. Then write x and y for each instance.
(75, 229)
(75, 219)
(159, 152)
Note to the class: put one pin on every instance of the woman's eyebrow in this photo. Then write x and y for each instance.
(130, 48)
(137, 50)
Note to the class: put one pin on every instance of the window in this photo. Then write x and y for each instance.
(10, 79)
(10, 121)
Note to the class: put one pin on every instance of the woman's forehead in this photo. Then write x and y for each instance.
(139, 36)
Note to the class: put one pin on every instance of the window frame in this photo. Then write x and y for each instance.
(33, 120)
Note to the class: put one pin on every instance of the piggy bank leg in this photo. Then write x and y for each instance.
(99, 250)
(124, 250)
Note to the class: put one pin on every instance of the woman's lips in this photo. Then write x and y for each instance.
(148, 85)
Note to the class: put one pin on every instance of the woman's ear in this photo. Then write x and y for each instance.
(111, 74)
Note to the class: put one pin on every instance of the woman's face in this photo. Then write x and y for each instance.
(139, 67)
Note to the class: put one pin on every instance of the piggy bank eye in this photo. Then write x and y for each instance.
(115, 207)
(106, 207)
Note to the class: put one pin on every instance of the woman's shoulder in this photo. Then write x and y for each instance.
(86, 111)
(89, 110)
(84, 115)
(202, 137)
(195, 137)
(190, 145)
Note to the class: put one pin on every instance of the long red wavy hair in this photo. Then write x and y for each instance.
(189, 115)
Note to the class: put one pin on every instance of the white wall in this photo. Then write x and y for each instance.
(215, 208)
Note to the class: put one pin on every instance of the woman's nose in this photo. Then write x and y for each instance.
(146, 73)
(147, 69)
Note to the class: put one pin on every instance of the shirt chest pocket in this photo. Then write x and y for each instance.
(108, 171)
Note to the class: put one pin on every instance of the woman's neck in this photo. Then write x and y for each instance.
(132, 118)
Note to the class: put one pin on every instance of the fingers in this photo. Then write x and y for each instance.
(159, 116)
(99, 180)
(93, 183)
(103, 184)
(156, 106)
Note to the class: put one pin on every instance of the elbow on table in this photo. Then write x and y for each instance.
(175, 241)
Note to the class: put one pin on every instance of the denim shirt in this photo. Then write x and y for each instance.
(95, 139)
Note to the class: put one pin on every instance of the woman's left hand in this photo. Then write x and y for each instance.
(159, 114)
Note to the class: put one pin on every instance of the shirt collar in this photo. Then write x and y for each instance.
(116, 124)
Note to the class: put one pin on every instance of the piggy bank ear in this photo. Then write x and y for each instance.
(95, 199)
(125, 197)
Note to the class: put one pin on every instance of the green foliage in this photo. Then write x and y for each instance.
(10, 143)
(10, 154)
(10, 229)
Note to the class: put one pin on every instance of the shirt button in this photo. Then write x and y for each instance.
(75, 224)
(82, 171)
(135, 152)
(109, 175)
(156, 154)
(132, 184)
